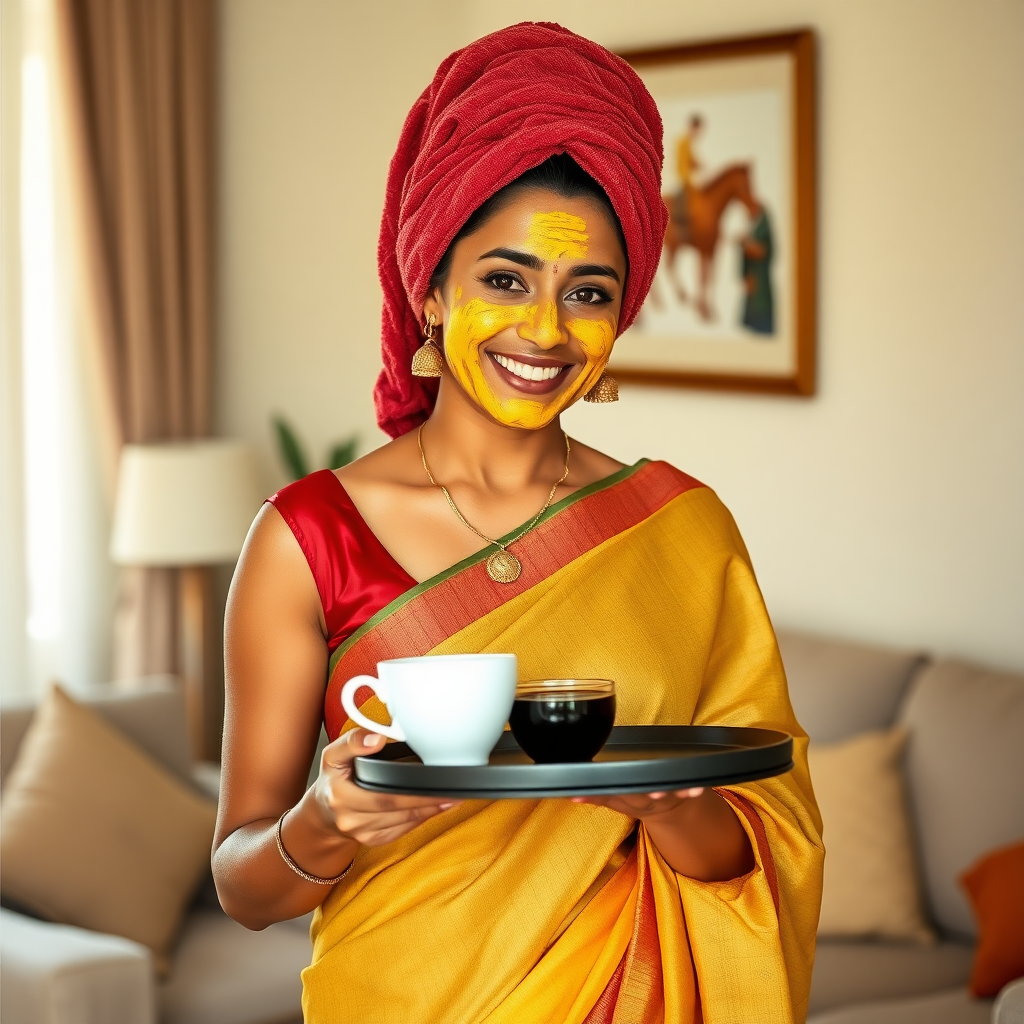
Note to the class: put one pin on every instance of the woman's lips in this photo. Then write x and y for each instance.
(534, 375)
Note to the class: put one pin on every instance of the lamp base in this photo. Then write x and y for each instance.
(200, 661)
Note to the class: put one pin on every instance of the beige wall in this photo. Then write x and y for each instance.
(891, 506)
(314, 96)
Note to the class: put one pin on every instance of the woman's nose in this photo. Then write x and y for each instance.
(541, 326)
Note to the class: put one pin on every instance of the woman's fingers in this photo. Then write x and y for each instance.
(637, 805)
(337, 760)
(352, 744)
(368, 818)
(349, 803)
(358, 812)
(377, 829)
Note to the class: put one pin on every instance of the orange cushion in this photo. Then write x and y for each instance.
(996, 887)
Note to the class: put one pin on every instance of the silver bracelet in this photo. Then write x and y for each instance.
(295, 867)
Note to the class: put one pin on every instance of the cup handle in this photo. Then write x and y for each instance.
(348, 702)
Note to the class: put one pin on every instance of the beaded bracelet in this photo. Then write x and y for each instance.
(295, 867)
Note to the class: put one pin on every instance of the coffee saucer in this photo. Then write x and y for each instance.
(636, 759)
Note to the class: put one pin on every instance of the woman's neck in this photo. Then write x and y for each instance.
(463, 444)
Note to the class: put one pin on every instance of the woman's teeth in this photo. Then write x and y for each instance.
(526, 371)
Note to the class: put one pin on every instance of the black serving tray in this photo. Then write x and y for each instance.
(636, 759)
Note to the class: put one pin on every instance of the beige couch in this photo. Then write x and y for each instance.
(965, 784)
(221, 972)
(965, 765)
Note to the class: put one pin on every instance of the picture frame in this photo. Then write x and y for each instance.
(734, 303)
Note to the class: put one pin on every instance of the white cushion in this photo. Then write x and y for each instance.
(223, 973)
(57, 974)
(1009, 1008)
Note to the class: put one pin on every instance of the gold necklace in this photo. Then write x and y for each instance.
(502, 566)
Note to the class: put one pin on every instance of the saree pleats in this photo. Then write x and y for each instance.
(465, 918)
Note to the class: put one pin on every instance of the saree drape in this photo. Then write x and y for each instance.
(515, 912)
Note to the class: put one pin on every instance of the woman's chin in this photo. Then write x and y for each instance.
(526, 412)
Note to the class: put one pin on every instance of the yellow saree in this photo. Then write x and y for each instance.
(538, 911)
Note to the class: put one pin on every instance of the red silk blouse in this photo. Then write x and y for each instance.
(355, 574)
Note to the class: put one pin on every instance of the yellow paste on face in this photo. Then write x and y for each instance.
(473, 324)
(551, 237)
(556, 236)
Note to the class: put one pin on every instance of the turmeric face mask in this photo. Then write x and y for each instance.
(536, 334)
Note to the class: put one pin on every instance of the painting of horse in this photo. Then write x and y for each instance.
(733, 304)
(694, 221)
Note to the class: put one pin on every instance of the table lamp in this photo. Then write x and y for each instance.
(187, 505)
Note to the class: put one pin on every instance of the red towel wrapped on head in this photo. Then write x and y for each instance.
(495, 109)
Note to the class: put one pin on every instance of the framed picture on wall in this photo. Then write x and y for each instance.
(733, 303)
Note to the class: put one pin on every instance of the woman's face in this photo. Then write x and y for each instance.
(531, 305)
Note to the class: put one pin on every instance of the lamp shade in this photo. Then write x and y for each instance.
(186, 503)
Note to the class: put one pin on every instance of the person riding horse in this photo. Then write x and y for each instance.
(686, 164)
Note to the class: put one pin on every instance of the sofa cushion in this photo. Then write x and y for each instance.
(150, 711)
(964, 765)
(839, 689)
(53, 973)
(849, 971)
(95, 833)
(226, 974)
(15, 716)
(954, 1006)
(871, 884)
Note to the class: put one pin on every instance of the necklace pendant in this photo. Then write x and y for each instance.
(504, 567)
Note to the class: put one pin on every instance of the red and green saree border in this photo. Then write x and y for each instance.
(427, 614)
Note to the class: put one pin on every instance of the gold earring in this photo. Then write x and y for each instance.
(427, 360)
(605, 390)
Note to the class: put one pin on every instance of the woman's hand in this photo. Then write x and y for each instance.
(695, 830)
(643, 806)
(370, 819)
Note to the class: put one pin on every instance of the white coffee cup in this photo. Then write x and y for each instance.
(450, 708)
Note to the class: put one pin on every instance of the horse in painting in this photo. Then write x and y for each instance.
(694, 219)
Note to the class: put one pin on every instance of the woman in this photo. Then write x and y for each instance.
(522, 230)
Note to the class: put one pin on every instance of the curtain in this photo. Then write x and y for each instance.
(140, 97)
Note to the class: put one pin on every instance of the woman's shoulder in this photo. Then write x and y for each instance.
(308, 491)
(312, 502)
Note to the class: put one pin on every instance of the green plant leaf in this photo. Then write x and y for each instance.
(290, 449)
(342, 453)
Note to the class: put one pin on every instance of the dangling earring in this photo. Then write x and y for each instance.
(427, 360)
(605, 390)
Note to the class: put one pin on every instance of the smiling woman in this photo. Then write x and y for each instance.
(521, 236)
(531, 296)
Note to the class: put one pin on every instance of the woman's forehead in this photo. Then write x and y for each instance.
(550, 225)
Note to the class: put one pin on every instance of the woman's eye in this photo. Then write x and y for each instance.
(589, 296)
(505, 282)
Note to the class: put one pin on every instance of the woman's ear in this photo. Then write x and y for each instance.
(433, 304)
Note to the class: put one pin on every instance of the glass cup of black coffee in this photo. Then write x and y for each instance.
(557, 721)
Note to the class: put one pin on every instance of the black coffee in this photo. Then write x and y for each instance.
(563, 726)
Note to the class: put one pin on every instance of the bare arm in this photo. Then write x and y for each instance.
(275, 674)
(695, 830)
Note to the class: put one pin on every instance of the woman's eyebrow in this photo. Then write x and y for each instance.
(596, 270)
(527, 259)
(524, 259)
